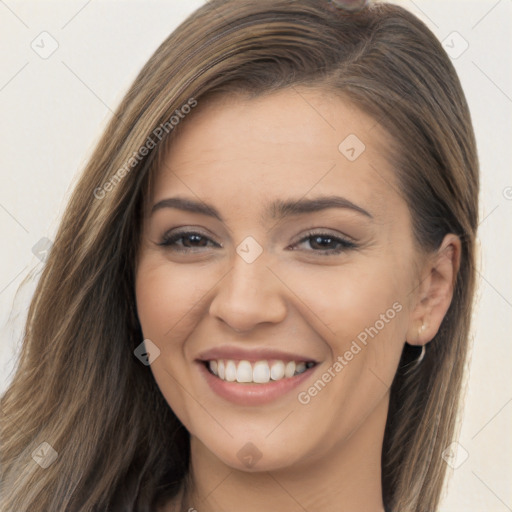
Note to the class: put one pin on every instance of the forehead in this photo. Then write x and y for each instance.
(292, 143)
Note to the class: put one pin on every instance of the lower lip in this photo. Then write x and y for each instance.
(253, 394)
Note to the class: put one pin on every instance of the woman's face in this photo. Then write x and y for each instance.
(277, 245)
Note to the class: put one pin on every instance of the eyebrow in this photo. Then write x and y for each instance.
(277, 209)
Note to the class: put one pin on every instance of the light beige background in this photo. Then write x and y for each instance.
(54, 109)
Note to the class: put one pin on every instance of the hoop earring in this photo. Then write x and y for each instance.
(420, 358)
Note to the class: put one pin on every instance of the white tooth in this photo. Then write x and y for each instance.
(277, 370)
(213, 367)
(300, 367)
(230, 371)
(290, 369)
(244, 372)
(261, 372)
(221, 369)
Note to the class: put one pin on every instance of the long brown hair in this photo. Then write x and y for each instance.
(78, 385)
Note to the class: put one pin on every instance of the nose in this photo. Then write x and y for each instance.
(249, 295)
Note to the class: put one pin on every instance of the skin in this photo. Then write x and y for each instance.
(237, 154)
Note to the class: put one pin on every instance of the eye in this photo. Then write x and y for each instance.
(186, 241)
(191, 241)
(326, 243)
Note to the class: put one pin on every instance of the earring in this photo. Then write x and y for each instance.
(423, 347)
(413, 365)
(422, 355)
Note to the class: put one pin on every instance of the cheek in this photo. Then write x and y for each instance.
(367, 318)
(350, 299)
(365, 311)
(165, 298)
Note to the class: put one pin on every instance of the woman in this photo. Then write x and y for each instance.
(260, 294)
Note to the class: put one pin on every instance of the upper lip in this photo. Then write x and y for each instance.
(237, 353)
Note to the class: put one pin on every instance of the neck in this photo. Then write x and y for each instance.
(348, 479)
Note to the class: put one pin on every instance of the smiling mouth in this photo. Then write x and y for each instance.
(259, 372)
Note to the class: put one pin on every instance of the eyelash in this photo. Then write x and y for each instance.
(170, 242)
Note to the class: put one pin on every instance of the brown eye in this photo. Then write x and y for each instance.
(325, 243)
(186, 240)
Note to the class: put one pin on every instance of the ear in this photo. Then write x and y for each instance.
(435, 291)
